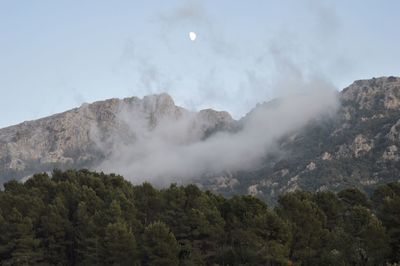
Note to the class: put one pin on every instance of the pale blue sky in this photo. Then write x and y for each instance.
(55, 55)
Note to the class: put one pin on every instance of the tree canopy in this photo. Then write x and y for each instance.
(88, 218)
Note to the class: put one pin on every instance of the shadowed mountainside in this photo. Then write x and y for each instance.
(356, 147)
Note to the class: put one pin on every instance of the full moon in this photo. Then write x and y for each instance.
(192, 36)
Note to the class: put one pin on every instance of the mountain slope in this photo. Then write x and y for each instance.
(84, 136)
(358, 146)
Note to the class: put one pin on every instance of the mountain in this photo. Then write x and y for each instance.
(357, 146)
(84, 136)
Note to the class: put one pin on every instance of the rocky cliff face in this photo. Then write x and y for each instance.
(84, 136)
(359, 146)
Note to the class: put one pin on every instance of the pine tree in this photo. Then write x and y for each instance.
(88, 241)
(56, 232)
(160, 246)
(23, 246)
(120, 245)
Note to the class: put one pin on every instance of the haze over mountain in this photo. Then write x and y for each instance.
(357, 147)
(316, 140)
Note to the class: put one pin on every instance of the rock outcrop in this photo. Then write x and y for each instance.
(359, 146)
(84, 136)
(356, 148)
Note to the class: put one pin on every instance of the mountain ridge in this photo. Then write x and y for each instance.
(358, 146)
(51, 141)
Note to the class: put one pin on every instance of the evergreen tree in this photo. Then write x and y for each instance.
(386, 200)
(352, 196)
(19, 245)
(88, 218)
(307, 222)
(159, 245)
(88, 242)
(369, 242)
(120, 245)
(55, 230)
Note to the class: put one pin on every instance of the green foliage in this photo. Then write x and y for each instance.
(119, 245)
(19, 245)
(88, 218)
(353, 196)
(160, 246)
(307, 223)
(387, 204)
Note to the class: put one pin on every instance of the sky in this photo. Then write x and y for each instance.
(56, 55)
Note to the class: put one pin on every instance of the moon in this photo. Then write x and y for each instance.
(192, 36)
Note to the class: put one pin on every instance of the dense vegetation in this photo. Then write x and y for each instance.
(334, 135)
(87, 218)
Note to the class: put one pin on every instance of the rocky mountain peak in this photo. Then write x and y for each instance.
(83, 136)
(375, 93)
(215, 117)
(159, 103)
(358, 146)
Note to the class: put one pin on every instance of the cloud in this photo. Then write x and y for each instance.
(327, 22)
(168, 145)
(149, 77)
(190, 11)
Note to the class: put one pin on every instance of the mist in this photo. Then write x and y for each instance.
(170, 146)
(174, 145)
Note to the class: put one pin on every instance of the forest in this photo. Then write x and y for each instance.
(79, 217)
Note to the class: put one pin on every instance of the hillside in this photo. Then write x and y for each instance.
(357, 146)
(85, 136)
(89, 218)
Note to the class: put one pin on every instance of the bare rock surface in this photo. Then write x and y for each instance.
(358, 147)
(83, 136)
